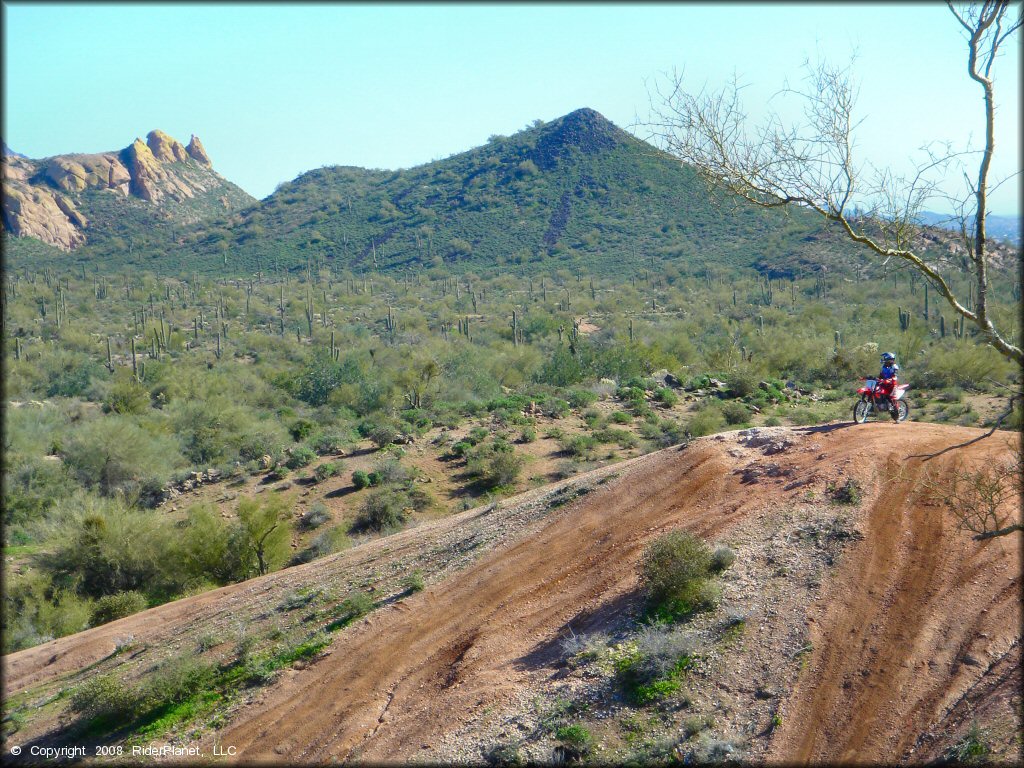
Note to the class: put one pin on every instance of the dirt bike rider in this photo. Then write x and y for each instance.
(887, 383)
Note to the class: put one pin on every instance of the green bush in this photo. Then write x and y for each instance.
(673, 571)
(722, 558)
(114, 454)
(581, 398)
(735, 413)
(579, 446)
(414, 582)
(315, 516)
(666, 397)
(111, 607)
(848, 493)
(382, 511)
(360, 479)
(327, 470)
(300, 456)
(705, 422)
(177, 679)
(301, 429)
(576, 740)
(106, 697)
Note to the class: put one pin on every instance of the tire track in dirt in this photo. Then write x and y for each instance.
(889, 646)
(497, 612)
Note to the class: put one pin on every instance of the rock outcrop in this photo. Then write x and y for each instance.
(43, 198)
(197, 152)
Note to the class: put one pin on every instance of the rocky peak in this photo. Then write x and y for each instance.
(197, 152)
(41, 198)
(584, 130)
(165, 148)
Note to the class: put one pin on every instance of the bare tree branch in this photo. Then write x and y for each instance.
(812, 164)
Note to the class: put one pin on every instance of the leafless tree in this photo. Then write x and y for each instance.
(986, 500)
(813, 164)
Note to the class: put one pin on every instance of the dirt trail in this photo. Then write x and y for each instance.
(906, 607)
(910, 623)
(911, 620)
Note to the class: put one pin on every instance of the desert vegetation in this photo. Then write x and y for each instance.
(123, 389)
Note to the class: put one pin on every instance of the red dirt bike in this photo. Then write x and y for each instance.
(873, 400)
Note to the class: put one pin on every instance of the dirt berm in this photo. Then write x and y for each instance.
(913, 622)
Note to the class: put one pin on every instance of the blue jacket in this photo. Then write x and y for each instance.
(889, 371)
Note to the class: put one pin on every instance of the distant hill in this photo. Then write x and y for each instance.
(572, 192)
(121, 200)
(576, 193)
(1004, 228)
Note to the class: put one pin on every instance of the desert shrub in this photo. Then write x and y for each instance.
(666, 397)
(315, 516)
(414, 582)
(581, 398)
(528, 435)
(327, 443)
(621, 417)
(105, 697)
(326, 543)
(652, 665)
(114, 454)
(35, 612)
(722, 558)
(391, 472)
(735, 413)
(360, 479)
(959, 363)
(210, 548)
(705, 422)
(126, 396)
(973, 748)
(300, 456)
(354, 606)
(848, 493)
(175, 680)
(673, 571)
(89, 552)
(301, 429)
(576, 740)
(741, 383)
(382, 511)
(579, 446)
(327, 470)
(111, 607)
(264, 532)
(73, 375)
(505, 754)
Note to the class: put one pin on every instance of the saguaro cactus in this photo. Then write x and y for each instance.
(904, 319)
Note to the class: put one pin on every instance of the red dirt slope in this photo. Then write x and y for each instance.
(890, 645)
(909, 623)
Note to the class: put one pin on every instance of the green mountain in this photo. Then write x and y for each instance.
(575, 192)
(134, 200)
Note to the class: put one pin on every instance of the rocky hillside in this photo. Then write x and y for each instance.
(69, 200)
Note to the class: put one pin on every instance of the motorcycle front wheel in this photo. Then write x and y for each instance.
(902, 411)
(861, 411)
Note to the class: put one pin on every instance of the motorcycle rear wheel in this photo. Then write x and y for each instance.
(861, 411)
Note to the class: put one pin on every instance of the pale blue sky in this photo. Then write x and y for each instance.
(276, 90)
